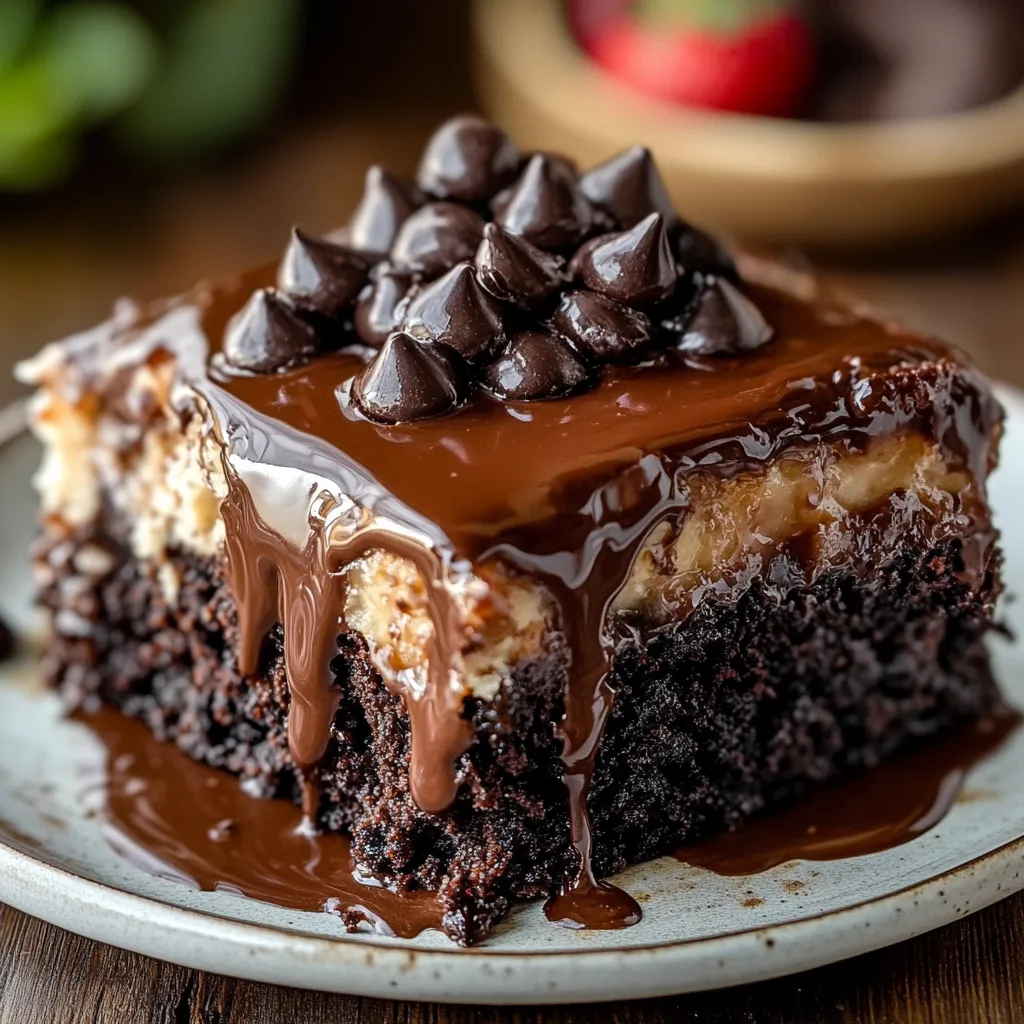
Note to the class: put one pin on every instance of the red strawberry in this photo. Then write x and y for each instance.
(749, 56)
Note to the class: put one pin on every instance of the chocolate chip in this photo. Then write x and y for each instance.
(321, 275)
(635, 266)
(724, 322)
(536, 366)
(406, 381)
(697, 251)
(268, 334)
(386, 203)
(602, 328)
(566, 163)
(468, 159)
(436, 237)
(629, 186)
(382, 304)
(457, 312)
(544, 206)
(513, 270)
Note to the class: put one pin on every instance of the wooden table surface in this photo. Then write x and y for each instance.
(64, 260)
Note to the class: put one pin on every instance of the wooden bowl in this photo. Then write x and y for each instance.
(759, 178)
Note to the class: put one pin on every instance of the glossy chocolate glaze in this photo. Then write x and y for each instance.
(876, 810)
(565, 491)
(179, 819)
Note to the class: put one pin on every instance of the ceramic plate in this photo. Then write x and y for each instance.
(699, 930)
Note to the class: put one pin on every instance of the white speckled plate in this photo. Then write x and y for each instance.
(699, 930)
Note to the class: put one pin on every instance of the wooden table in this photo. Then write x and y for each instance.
(62, 262)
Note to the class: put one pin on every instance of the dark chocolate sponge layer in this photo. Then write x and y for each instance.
(742, 706)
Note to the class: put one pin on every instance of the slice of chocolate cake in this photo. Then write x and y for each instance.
(513, 533)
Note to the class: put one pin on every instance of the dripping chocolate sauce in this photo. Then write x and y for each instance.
(564, 490)
(305, 590)
(884, 807)
(181, 820)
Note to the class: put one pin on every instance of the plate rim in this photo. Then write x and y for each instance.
(283, 956)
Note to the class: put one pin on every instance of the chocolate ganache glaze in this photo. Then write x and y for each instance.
(435, 445)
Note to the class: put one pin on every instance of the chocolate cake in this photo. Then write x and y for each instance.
(511, 531)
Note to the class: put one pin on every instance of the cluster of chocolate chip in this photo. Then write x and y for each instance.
(497, 271)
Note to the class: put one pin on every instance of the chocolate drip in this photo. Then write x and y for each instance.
(272, 582)
(604, 541)
(304, 590)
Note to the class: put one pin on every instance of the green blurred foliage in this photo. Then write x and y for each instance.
(170, 84)
(225, 64)
(102, 54)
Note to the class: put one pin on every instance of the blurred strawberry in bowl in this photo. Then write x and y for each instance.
(745, 56)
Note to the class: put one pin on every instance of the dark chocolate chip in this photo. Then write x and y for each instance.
(566, 163)
(724, 322)
(321, 275)
(602, 328)
(467, 159)
(407, 380)
(382, 304)
(537, 366)
(698, 251)
(387, 201)
(513, 270)
(268, 334)
(457, 312)
(635, 266)
(436, 237)
(629, 186)
(544, 206)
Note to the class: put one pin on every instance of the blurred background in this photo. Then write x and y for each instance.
(145, 144)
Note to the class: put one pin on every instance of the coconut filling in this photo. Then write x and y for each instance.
(167, 481)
